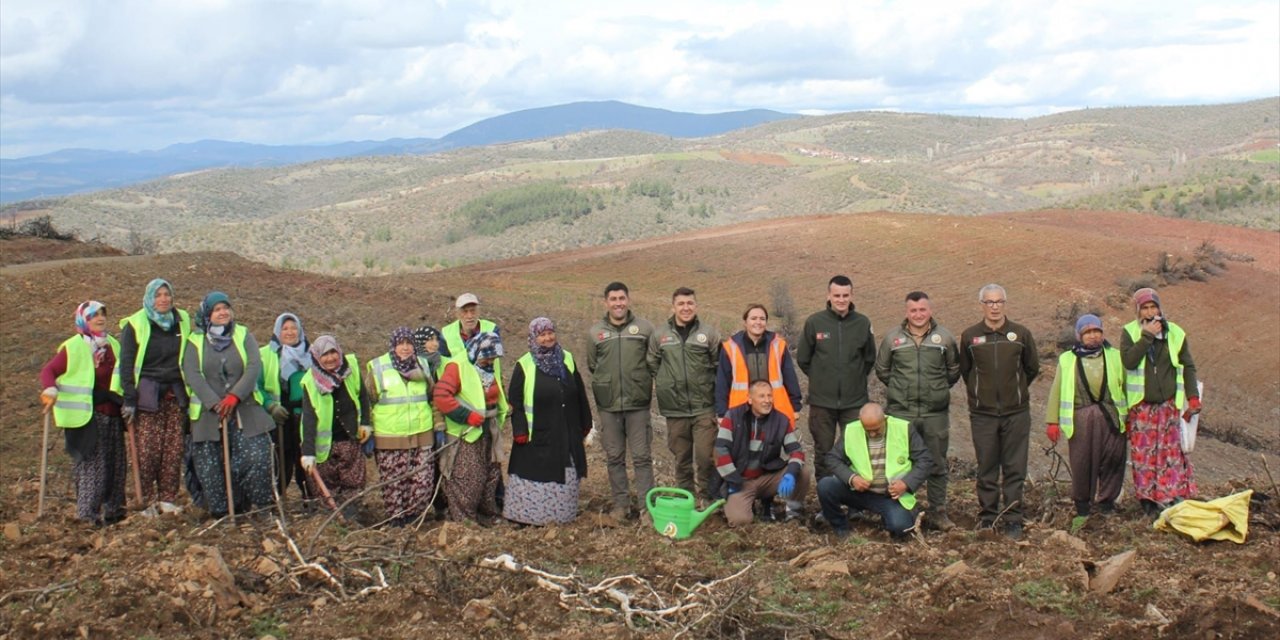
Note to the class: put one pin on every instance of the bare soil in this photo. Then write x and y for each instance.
(186, 576)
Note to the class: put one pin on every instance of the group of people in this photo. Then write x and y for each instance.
(198, 393)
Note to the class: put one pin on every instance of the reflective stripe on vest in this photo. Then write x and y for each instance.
(1135, 380)
(452, 334)
(897, 453)
(197, 340)
(739, 390)
(73, 407)
(471, 396)
(323, 405)
(1067, 388)
(404, 406)
(141, 324)
(530, 372)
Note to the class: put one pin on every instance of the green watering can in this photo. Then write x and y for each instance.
(674, 511)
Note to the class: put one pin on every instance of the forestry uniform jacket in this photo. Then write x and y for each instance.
(684, 370)
(618, 362)
(837, 354)
(918, 378)
(998, 365)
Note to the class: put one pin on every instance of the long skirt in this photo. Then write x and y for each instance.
(1161, 472)
(159, 438)
(250, 472)
(99, 469)
(342, 472)
(472, 487)
(539, 503)
(1097, 453)
(409, 496)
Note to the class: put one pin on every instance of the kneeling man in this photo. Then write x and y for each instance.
(759, 456)
(878, 462)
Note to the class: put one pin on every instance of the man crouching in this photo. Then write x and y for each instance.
(758, 455)
(878, 462)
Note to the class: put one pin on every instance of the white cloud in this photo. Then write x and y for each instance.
(145, 73)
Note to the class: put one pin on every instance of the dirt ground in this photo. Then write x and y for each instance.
(187, 576)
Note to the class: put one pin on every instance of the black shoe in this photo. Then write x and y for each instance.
(1013, 530)
(842, 534)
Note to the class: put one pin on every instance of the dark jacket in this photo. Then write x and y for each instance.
(837, 354)
(724, 372)
(618, 362)
(159, 364)
(561, 419)
(225, 372)
(998, 366)
(780, 447)
(1159, 376)
(684, 369)
(921, 461)
(918, 378)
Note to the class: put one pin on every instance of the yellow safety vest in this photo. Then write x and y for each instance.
(142, 333)
(323, 404)
(1067, 388)
(74, 405)
(897, 453)
(452, 334)
(197, 340)
(472, 397)
(1135, 381)
(404, 406)
(530, 372)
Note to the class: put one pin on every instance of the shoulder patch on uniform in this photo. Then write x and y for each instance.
(898, 341)
(702, 338)
(936, 339)
(603, 335)
(633, 330)
(1013, 337)
(979, 339)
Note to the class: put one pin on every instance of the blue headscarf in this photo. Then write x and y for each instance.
(162, 320)
(219, 336)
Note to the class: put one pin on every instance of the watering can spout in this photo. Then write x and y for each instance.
(699, 516)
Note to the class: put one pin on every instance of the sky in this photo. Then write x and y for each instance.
(134, 74)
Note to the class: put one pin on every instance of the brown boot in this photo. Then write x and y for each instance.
(938, 520)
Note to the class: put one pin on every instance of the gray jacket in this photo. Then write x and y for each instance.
(225, 372)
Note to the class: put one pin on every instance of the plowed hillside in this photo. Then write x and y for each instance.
(184, 576)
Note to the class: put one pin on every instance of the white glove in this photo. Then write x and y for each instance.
(308, 463)
(127, 412)
(50, 392)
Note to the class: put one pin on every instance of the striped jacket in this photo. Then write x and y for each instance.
(748, 447)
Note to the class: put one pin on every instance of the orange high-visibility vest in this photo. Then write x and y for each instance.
(740, 390)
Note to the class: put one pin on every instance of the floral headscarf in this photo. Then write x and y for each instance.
(162, 320)
(327, 381)
(484, 345)
(404, 366)
(98, 341)
(550, 360)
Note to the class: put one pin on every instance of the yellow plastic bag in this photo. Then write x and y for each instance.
(1219, 519)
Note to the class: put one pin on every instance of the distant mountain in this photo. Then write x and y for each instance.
(69, 171)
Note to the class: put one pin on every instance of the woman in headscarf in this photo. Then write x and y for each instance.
(151, 344)
(335, 413)
(1160, 378)
(221, 365)
(426, 343)
(285, 360)
(82, 389)
(550, 417)
(470, 397)
(399, 385)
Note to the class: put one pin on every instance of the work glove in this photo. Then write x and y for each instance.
(308, 463)
(279, 414)
(128, 411)
(521, 438)
(475, 418)
(731, 488)
(1053, 431)
(367, 447)
(440, 439)
(363, 433)
(1193, 407)
(48, 397)
(226, 406)
(787, 486)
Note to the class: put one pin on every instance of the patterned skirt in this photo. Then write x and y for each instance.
(410, 495)
(99, 474)
(342, 472)
(159, 438)
(472, 487)
(250, 472)
(1161, 471)
(539, 503)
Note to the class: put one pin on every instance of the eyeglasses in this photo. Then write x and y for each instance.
(994, 303)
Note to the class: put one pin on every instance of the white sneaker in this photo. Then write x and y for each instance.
(149, 512)
(169, 507)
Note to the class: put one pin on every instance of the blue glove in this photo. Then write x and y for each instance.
(787, 486)
(367, 447)
(439, 439)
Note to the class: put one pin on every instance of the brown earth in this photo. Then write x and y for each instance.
(181, 576)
